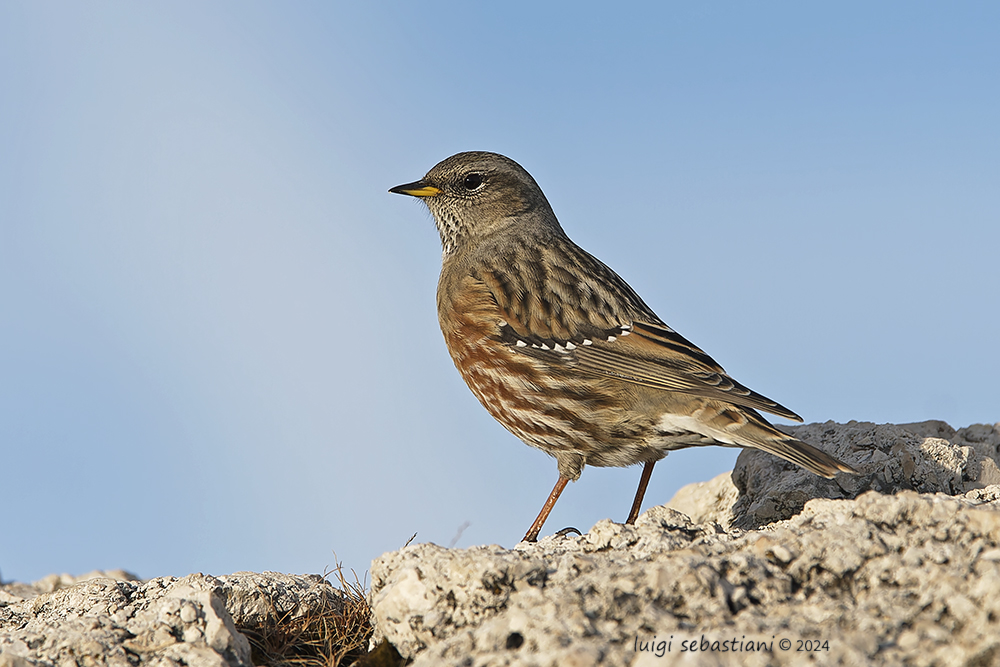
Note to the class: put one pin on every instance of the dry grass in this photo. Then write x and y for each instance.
(334, 632)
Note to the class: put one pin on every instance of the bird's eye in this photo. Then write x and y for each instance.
(473, 182)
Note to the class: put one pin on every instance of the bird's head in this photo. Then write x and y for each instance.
(476, 195)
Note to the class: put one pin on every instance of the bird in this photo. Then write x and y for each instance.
(563, 352)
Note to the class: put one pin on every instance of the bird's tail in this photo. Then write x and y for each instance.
(805, 455)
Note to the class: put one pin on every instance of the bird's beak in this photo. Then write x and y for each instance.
(416, 189)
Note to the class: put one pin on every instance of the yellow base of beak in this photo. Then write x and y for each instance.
(416, 190)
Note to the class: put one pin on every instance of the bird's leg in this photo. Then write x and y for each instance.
(532, 534)
(647, 471)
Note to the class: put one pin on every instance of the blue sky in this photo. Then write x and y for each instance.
(218, 340)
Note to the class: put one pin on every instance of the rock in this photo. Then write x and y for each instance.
(847, 579)
(166, 621)
(897, 565)
(17, 591)
(108, 622)
(255, 600)
(928, 457)
(866, 578)
(708, 502)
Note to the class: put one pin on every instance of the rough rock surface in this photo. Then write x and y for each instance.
(928, 457)
(708, 502)
(116, 620)
(905, 574)
(899, 565)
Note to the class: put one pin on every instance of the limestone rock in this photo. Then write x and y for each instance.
(708, 502)
(768, 566)
(849, 579)
(166, 621)
(905, 574)
(255, 599)
(17, 591)
(927, 457)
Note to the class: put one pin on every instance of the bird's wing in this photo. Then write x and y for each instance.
(649, 355)
(659, 357)
(602, 327)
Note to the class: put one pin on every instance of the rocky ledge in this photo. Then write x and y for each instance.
(897, 566)
(767, 566)
(110, 618)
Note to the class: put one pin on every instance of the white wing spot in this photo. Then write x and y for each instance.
(587, 341)
(521, 343)
(611, 339)
(545, 347)
(558, 347)
(570, 346)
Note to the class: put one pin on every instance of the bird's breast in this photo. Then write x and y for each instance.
(471, 323)
(543, 402)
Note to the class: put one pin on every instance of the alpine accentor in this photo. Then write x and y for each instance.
(562, 352)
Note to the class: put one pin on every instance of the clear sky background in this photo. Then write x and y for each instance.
(219, 349)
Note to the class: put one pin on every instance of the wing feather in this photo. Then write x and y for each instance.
(611, 331)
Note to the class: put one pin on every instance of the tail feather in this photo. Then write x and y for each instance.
(805, 455)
